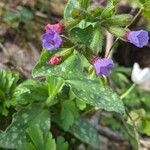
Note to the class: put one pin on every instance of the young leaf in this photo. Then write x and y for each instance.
(15, 135)
(50, 143)
(85, 132)
(109, 10)
(69, 113)
(8, 83)
(61, 144)
(28, 146)
(84, 4)
(92, 93)
(97, 41)
(36, 136)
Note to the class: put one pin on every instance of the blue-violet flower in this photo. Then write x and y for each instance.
(138, 38)
(51, 40)
(103, 66)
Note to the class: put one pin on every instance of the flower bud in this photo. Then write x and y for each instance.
(55, 60)
(138, 38)
(59, 27)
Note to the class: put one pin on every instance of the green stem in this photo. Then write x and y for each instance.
(50, 101)
(128, 91)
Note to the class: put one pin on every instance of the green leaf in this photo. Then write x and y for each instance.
(84, 4)
(61, 144)
(8, 81)
(36, 136)
(71, 4)
(15, 135)
(82, 36)
(109, 10)
(92, 93)
(97, 41)
(31, 91)
(80, 104)
(28, 146)
(146, 126)
(26, 15)
(11, 16)
(146, 10)
(69, 113)
(71, 67)
(85, 132)
(119, 20)
(117, 31)
(50, 144)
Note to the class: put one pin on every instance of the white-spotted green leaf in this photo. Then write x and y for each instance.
(97, 41)
(15, 135)
(83, 36)
(31, 91)
(92, 93)
(71, 67)
(85, 132)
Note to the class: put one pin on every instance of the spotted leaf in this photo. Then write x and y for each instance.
(15, 135)
(71, 67)
(92, 93)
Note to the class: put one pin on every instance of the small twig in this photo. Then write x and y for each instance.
(107, 132)
(109, 42)
(135, 17)
(4, 50)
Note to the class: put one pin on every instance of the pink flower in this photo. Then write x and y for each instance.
(59, 27)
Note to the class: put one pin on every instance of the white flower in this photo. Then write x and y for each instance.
(141, 76)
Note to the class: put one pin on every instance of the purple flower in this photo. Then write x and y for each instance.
(103, 66)
(51, 40)
(138, 38)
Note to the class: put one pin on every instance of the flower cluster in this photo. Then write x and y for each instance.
(51, 40)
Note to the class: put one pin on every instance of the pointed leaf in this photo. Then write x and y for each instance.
(92, 93)
(71, 67)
